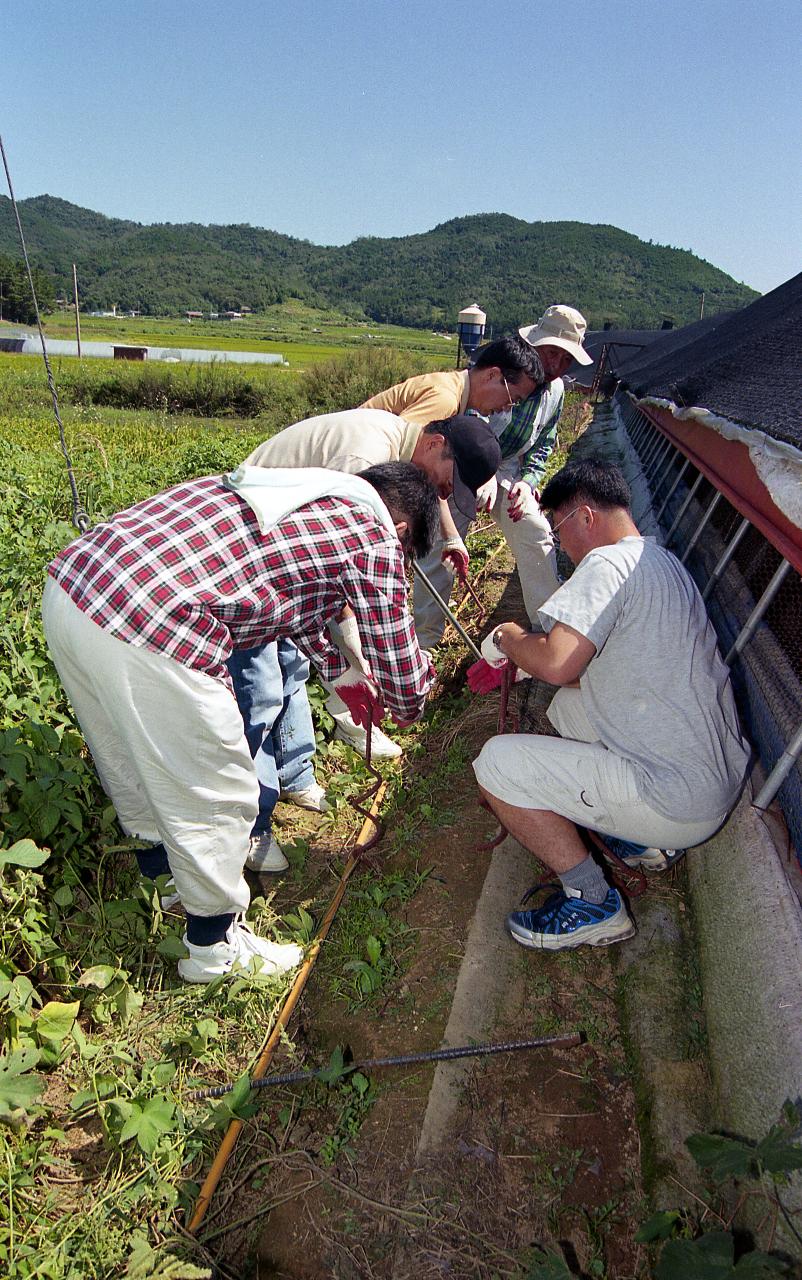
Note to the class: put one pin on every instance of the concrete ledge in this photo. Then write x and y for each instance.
(749, 928)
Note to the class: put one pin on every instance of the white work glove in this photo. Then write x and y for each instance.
(486, 495)
(491, 652)
(455, 557)
(518, 496)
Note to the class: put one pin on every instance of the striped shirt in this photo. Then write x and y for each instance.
(532, 431)
(189, 575)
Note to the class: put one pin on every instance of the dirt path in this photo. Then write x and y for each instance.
(542, 1150)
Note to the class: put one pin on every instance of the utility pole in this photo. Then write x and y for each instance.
(702, 306)
(77, 317)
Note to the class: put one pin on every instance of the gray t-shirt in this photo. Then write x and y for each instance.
(657, 691)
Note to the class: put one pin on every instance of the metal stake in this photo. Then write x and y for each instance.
(780, 772)
(727, 555)
(684, 507)
(700, 528)
(670, 493)
(440, 602)
(750, 626)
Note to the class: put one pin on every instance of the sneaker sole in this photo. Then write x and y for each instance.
(203, 977)
(604, 935)
(267, 871)
(653, 866)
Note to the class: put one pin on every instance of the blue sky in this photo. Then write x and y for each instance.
(329, 119)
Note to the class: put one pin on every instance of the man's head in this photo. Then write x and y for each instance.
(458, 455)
(557, 337)
(502, 373)
(411, 499)
(589, 504)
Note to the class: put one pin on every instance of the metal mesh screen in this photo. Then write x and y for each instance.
(767, 675)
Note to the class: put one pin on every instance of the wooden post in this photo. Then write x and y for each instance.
(702, 306)
(77, 316)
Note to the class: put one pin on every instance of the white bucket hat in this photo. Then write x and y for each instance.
(559, 326)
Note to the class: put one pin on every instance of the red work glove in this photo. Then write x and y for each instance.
(361, 699)
(516, 500)
(482, 678)
(455, 557)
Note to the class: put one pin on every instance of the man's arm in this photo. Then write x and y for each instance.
(534, 459)
(376, 589)
(559, 657)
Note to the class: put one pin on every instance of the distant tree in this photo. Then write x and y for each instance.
(16, 302)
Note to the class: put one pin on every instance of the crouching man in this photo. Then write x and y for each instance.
(141, 614)
(649, 750)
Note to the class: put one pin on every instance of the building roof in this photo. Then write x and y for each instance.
(746, 366)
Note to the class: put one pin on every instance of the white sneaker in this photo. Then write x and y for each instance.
(265, 855)
(381, 747)
(240, 951)
(312, 797)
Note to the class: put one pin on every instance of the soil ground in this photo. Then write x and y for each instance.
(543, 1150)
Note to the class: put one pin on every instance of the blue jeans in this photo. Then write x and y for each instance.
(270, 686)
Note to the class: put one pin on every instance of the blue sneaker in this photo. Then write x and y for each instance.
(566, 920)
(639, 855)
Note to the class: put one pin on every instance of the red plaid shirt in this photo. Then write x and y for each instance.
(188, 574)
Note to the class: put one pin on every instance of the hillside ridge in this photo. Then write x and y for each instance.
(513, 268)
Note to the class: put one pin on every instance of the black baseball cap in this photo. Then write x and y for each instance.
(477, 457)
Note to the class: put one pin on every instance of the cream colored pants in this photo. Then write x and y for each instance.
(170, 752)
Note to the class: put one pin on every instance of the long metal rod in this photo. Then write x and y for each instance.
(727, 555)
(671, 491)
(689, 499)
(266, 1056)
(780, 772)
(699, 530)
(440, 602)
(402, 1060)
(650, 452)
(750, 626)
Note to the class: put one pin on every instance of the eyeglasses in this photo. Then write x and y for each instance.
(507, 389)
(555, 535)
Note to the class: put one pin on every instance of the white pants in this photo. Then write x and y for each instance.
(531, 543)
(578, 778)
(170, 752)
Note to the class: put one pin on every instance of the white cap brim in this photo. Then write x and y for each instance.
(574, 348)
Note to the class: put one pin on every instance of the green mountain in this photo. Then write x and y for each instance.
(512, 268)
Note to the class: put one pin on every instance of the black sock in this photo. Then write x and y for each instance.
(204, 931)
(153, 861)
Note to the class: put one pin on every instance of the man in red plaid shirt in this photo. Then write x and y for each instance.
(141, 614)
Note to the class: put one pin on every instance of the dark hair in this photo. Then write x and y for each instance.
(599, 484)
(409, 495)
(440, 427)
(513, 356)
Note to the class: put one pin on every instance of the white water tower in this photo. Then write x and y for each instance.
(471, 323)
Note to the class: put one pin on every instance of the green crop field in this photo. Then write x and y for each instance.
(303, 335)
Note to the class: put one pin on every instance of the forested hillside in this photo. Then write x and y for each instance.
(512, 268)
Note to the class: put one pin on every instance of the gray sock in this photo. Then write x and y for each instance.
(587, 878)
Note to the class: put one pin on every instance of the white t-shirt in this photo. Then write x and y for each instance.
(348, 441)
(657, 691)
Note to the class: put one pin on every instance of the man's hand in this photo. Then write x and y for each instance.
(361, 698)
(517, 498)
(455, 557)
(482, 678)
(486, 495)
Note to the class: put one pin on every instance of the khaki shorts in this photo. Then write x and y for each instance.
(578, 778)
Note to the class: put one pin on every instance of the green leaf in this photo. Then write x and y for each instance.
(147, 1124)
(24, 854)
(724, 1157)
(54, 1021)
(547, 1266)
(18, 1090)
(373, 949)
(172, 948)
(754, 1266)
(777, 1152)
(240, 1093)
(100, 976)
(658, 1227)
(64, 896)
